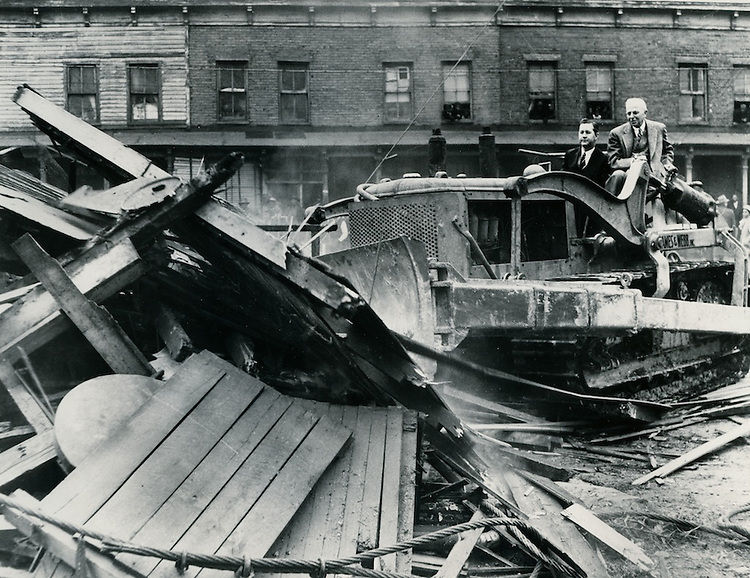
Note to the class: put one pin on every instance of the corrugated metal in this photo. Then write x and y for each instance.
(38, 57)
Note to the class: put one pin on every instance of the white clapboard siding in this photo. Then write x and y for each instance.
(37, 57)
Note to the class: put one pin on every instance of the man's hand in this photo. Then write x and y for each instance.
(640, 156)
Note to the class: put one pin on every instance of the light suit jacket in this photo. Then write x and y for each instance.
(660, 150)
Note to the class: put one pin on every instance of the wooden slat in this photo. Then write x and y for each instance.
(388, 526)
(148, 488)
(96, 324)
(370, 511)
(322, 498)
(185, 505)
(99, 476)
(340, 473)
(355, 494)
(582, 517)
(259, 529)
(697, 453)
(248, 484)
(461, 550)
(407, 488)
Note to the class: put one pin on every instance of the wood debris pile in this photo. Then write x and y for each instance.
(217, 391)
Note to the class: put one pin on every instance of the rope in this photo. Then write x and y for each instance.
(245, 567)
(726, 521)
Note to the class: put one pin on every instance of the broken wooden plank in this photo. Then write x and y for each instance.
(548, 427)
(29, 404)
(35, 318)
(172, 333)
(461, 550)
(26, 456)
(696, 453)
(99, 328)
(586, 520)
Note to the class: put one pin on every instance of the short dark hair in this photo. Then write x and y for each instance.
(591, 122)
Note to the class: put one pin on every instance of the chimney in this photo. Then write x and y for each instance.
(487, 153)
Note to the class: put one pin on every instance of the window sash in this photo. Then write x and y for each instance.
(692, 100)
(231, 80)
(599, 82)
(82, 91)
(742, 83)
(144, 87)
(456, 84)
(398, 101)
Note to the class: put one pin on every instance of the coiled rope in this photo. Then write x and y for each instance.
(245, 567)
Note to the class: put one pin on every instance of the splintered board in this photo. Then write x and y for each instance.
(214, 462)
(366, 499)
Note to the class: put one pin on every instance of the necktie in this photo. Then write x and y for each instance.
(582, 162)
(638, 133)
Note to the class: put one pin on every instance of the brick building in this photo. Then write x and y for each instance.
(319, 94)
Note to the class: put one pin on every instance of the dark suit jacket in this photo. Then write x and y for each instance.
(597, 168)
(660, 151)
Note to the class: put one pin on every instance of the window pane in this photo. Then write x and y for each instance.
(742, 80)
(397, 96)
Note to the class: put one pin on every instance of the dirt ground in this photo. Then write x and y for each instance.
(700, 493)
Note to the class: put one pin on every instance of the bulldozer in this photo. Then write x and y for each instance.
(552, 278)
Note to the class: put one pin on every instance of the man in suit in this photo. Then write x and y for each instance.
(586, 159)
(638, 139)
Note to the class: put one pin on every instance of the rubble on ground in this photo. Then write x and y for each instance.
(185, 390)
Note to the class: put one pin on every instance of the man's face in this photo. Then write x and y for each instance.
(586, 135)
(636, 113)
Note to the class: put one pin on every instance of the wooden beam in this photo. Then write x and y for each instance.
(96, 324)
(699, 452)
(461, 550)
(26, 456)
(61, 544)
(35, 318)
(583, 518)
(27, 403)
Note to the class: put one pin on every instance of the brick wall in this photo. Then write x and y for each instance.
(646, 66)
(345, 66)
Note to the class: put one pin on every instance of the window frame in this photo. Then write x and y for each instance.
(68, 93)
(450, 68)
(692, 93)
(609, 67)
(150, 65)
(736, 96)
(234, 66)
(397, 66)
(539, 66)
(294, 66)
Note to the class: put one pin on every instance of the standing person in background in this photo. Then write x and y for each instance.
(744, 228)
(586, 159)
(726, 212)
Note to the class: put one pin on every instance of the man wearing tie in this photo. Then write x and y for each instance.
(586, 159)
(638, 139)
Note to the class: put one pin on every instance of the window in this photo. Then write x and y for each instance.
(398, 102)
(82, 92)
(599, 91)
(542, 90)
(230, 80)
(145, 94)
(293, 96)
(692, 92)
(741, 94)
(456, 92)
